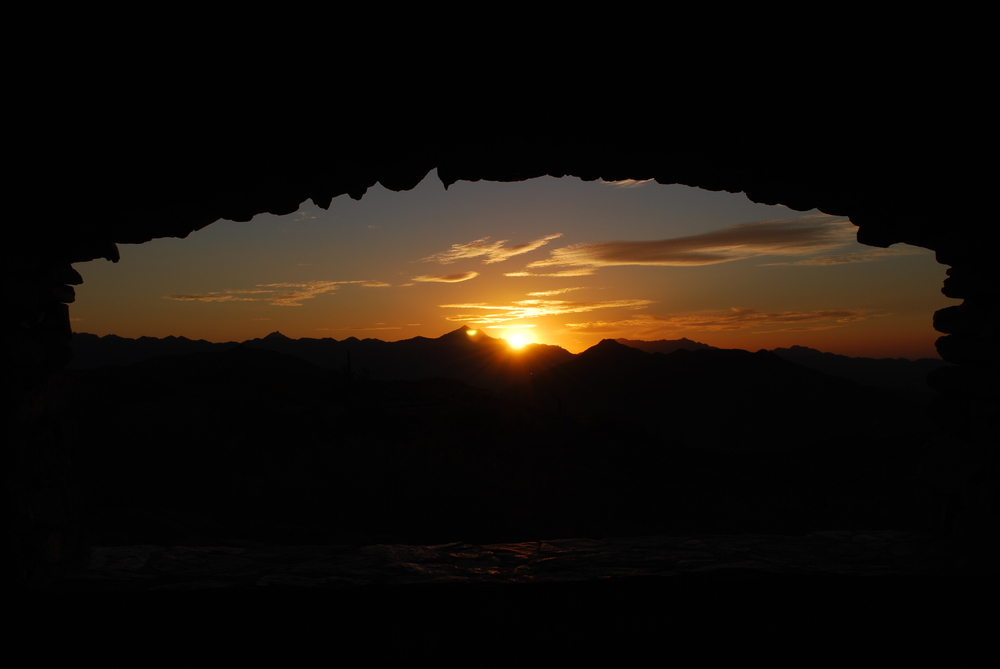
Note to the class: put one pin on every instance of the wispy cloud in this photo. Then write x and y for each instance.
(856, 257)
(493, 251)
(359, 329)
(271, 293)
(528, 309)
(734, 319)
(447, 278)
(557, 291)
(740, 319)
(302, 291)
(609, 327)
(804, 235)
(583, 271)
(209, 297)
(627, 183)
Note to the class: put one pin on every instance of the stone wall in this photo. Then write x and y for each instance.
(968, 408)
(42, 491)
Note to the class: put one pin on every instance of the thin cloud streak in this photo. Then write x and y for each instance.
(586, 271)
(288, 298)
(307, 291)
(859, 256)
(494, 251)
(627, 183)
(800, 329)
(734, 319)
(447, 278)
(531, 309)
(209, 297)
(357, 329)
(557, 291)
(799, 236)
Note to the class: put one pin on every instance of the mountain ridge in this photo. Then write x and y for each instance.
(613, 440)
(477, 359)
(483, 360)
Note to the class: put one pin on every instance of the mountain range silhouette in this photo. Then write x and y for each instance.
(462, 437)
(479, 360)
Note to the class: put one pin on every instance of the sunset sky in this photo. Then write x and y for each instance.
(561, 261)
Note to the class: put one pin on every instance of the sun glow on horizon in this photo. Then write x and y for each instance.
(517, 341)
(711, 267)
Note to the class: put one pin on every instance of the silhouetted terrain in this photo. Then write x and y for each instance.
(909, 376)
(664, 345)
(491, 365)
(727, 390)
(612, 442)
(898, 374)
(478, 359)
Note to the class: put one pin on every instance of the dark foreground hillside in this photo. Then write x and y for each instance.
(262, 446)
(468, 355)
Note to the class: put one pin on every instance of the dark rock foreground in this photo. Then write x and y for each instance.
(150, 567)
(889, 595)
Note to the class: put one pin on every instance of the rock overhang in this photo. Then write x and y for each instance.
(163, 190)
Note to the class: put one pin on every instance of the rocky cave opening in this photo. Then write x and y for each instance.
(43, 495)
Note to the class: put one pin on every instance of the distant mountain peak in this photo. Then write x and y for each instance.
(465, 332)
(665, 346)
(276, 336)
(609, 349)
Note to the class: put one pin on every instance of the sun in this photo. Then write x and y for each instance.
(517, 341)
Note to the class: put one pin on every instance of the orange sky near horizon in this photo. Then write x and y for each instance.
(558, 261)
